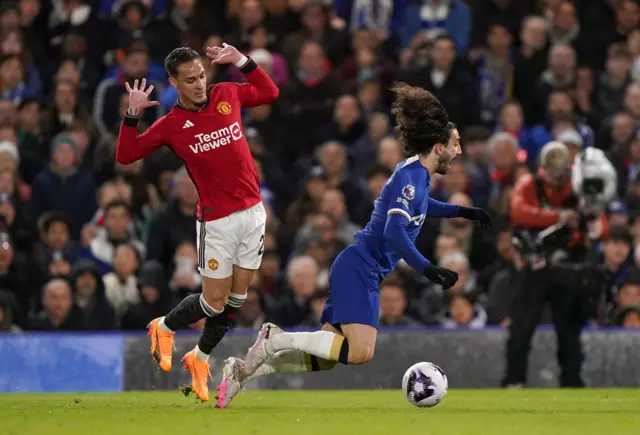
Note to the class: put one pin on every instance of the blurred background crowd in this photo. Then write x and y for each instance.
(86, 244)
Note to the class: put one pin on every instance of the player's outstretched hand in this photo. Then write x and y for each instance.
(139, 97)
(445, 277)
(477, 214)
(225, 54)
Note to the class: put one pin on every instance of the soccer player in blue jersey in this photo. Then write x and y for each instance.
(350, 316)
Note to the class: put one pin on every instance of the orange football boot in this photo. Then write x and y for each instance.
(161, 344)
(199, 375)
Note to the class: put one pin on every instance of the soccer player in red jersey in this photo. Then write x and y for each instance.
(205, 130)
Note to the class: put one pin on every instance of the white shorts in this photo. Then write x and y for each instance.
(237, 239)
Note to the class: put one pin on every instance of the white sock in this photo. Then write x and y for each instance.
(235, 300)
(208, 309)
(200, 355)
(164, 327)
(323, 344)
(285, 361)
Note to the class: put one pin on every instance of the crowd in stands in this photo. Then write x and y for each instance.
(87, 244)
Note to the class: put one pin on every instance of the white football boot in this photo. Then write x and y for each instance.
(258, 353)
(233, 380)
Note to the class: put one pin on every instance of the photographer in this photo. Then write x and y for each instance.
(554, 228)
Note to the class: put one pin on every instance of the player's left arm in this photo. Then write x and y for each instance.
(399, 216)
(470, 213)
(259, 89)
(442, 209)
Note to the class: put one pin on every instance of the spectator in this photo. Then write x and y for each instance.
(175, 222)
(110, 91)
(294, 307)
(629, 317)
(185, 280)
(429, 18)
(154, 297)
(65, 187)
(120, 286)
(363, 153)
(390, 152)
(6, 315)
(448, 81)
(463, 313)
(118, 229)
(65, 110)
(314, 18)
(377, 177)
(13, 282)
(309, 97)
(59, 312)
(250, 314)
(56, 252)
(332, 156)
(13, 82)
(347, 125)
(614, 80)
(616, 249)
(495, 73)
(89, 296)
(393, 303)
(560, 76)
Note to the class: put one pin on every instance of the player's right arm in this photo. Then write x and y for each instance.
(525, 207)
(399, 216)
(132, 147)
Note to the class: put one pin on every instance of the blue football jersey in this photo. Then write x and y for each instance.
(406, 193)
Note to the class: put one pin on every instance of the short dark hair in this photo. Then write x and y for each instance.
(7, 57)
(177, 57)
(116, 204)
(421, 120)
(620, 233)
(378, 169)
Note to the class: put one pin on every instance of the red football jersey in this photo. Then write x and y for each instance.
(211, 142)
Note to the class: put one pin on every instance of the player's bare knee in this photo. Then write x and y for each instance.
(360, 354)
(216, 300)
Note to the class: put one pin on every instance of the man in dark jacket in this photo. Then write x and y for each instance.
(64, 187)
(453, 86)
(174, 223)
(59, 313)
(89, 296)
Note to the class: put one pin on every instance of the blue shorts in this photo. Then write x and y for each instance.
(353, 290)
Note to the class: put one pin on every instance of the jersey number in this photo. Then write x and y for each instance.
(418, 220)
(261, 250)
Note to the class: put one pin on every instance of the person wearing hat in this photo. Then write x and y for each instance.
(572, 140)
(618, 214)
(65, 187)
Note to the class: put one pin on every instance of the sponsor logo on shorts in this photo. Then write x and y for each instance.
(224, 108)
(213, 264)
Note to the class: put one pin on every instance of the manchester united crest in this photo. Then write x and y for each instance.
(213, 264)
(224, 108)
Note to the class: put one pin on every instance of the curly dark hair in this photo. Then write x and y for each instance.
(421, 120)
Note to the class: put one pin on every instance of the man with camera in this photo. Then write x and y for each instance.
(555, 224)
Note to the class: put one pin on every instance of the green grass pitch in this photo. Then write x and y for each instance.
(463, 412)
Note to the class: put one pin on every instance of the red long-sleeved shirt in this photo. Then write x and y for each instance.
(211, 142)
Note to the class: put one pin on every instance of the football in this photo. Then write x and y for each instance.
(424, 384)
